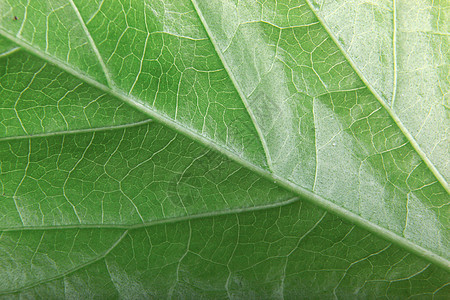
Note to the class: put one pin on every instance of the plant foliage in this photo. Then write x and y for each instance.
(209, 148)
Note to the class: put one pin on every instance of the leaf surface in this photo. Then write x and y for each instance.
(407, 69)
(261, 110)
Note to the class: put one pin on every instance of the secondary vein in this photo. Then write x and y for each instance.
(65, 132)
(389, 110)
(264, 173)
(236, 85)
(92, 43)
(69, 271)
(394, 50)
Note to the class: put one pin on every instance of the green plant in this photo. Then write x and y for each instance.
(224, 149)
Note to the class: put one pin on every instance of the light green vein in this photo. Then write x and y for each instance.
(390, 111)
(92, 43)
(9, 51)
(70, 271)
(236, 85)
(171, 220)
(282, 182)
(394, 50)
(77, 131)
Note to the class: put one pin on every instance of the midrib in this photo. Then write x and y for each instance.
(282, 182)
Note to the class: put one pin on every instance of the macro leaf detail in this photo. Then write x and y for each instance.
(221, 149)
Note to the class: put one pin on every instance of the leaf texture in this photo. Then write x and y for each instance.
(276, 164)
(407, 71)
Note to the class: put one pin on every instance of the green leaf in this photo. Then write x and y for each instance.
(407, 70)
(276, 164)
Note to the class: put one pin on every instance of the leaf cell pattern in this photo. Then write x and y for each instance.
(222, 149)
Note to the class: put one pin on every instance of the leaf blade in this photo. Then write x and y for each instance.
(342, 114)
(429, 98)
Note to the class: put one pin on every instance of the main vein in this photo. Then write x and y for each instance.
(281, 181)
